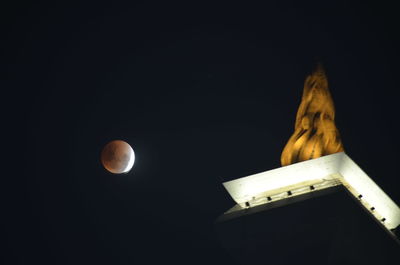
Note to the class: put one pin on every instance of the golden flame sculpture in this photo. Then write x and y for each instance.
(315, 133)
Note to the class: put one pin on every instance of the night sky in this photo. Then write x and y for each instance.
(203, 92)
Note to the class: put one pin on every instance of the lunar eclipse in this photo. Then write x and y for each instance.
(117, 157)
(123, 119)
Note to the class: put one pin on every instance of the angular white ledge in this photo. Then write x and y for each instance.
(311, 175)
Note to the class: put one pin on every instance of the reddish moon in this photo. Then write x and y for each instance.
(117, 157)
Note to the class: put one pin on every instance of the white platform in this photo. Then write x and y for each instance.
(313, 175)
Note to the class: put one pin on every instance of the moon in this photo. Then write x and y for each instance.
(117, 157)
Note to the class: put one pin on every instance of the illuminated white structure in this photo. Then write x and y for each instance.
(313, 175)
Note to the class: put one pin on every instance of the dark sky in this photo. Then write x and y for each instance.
(204, 93)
